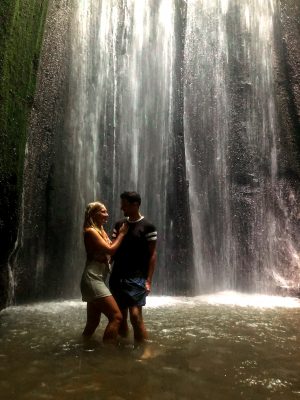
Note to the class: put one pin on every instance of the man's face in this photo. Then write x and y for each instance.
(128, 208)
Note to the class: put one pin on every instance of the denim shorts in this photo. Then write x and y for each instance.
(129, 292)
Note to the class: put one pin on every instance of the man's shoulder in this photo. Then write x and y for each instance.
(149, 230)
(149, 226)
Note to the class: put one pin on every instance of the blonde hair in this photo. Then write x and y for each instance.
(89, 215)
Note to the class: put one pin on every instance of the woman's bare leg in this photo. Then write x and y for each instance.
(93, 315)
(110, 309)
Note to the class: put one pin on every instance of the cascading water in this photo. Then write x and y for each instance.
(231, 139)
(206, 127)
(240, 218)
(119, 118)
(175, 99)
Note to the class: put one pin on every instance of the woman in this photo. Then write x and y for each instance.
(94, 291)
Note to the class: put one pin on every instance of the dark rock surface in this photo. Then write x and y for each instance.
(43, 123)
(21, 33)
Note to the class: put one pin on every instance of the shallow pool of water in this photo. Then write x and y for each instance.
(224, 346)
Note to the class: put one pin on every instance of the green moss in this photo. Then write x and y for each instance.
(21, 32)
(22, 24)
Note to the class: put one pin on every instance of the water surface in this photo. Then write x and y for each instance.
(224, 346)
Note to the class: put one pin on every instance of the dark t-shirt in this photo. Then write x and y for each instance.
(131, 260)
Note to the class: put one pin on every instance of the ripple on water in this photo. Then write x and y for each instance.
(196, 348)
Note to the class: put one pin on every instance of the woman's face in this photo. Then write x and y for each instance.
(101, 216)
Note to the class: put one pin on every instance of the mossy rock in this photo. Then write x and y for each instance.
(21, 34)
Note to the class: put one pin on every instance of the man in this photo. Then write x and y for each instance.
(134, 264)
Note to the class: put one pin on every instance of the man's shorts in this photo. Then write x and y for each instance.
(129, 292)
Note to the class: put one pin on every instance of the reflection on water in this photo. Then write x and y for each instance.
(225, 346)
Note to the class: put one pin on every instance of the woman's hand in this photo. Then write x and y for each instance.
(124, 229)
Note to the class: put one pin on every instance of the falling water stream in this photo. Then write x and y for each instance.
(175, 99)
(119, 117)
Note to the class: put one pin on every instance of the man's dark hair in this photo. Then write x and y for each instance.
(131, 197)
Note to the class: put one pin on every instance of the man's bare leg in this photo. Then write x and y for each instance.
(124, 329)
(139, 329)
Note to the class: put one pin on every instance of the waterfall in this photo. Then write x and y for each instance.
(174, 99)
(230, 129)
(130, 68)
(119, 117)
(241, 226)
(207, 132)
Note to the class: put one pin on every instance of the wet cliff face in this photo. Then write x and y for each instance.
(287, 64)
(43, 222)
(44, 142)
(21, 32)
(287, 87)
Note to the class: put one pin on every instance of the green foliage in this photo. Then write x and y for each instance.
(21, 32)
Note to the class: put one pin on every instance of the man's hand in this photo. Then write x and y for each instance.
(148, 286)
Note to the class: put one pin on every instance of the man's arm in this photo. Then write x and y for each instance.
(152, 263)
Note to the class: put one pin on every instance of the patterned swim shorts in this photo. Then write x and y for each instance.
(129, 292)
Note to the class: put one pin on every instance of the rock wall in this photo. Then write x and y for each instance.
(287, 64)
(45, 130)
(21, 33)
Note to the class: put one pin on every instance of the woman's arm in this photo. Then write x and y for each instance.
(96, 243)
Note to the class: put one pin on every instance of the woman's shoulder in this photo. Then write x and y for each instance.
(90, 232)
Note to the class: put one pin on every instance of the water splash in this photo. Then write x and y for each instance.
(250, 300)
(227, 298)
